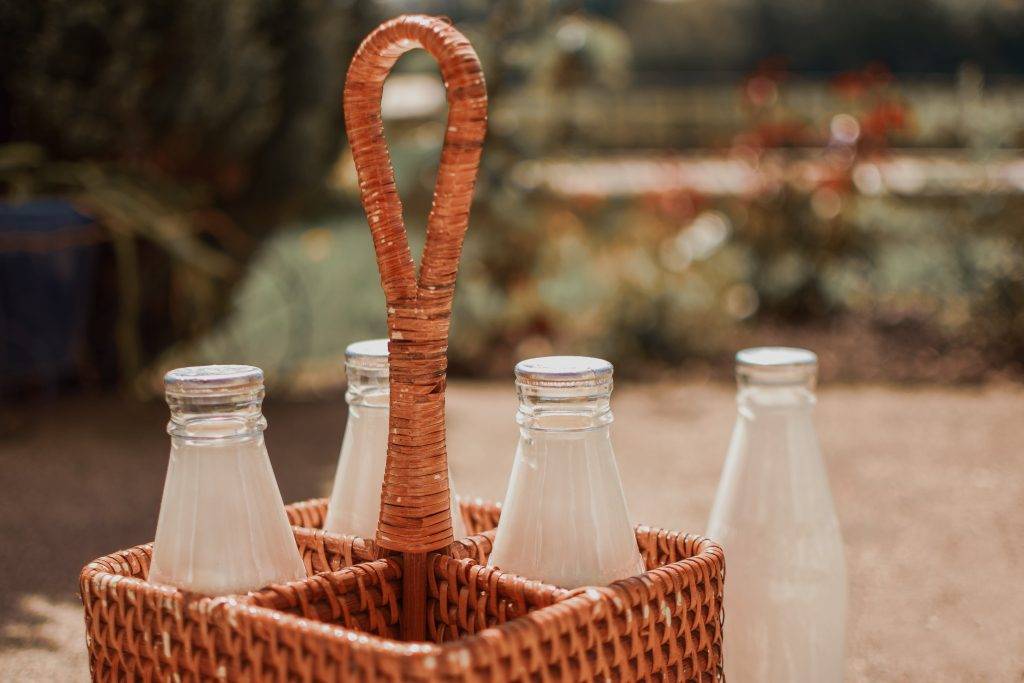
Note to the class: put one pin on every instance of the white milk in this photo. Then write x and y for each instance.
(564, 520)
(222, 526)
(785, 582)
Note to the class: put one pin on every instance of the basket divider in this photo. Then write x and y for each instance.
(414, 596)
(418, 306)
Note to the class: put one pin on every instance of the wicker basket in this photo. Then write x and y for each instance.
(414, 604)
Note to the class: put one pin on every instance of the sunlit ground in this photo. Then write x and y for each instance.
(928, 482)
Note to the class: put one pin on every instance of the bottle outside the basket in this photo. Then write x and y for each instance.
(564, 520)
(222, 527)
(785, 589)
(354, 505)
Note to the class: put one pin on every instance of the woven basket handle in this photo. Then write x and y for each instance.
(414, 514)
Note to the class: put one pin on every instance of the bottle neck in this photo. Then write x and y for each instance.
(367, 387)
(776, 379)
(550, 412)
(760, 398)
(209, 418)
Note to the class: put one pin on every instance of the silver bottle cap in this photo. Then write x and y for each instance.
(211, 381)
(776, 365)
(369, 355)
(564, 372)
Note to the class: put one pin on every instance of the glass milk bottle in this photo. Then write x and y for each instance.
(564, 520)
(785, 588)
(222, 526)
(355, 498)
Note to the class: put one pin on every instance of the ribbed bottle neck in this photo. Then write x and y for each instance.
(215, 402)
(368, 387)
(776, 398)
(776, 378)
(564, 394)
(545, 413)
(205, 420)
(368, 374)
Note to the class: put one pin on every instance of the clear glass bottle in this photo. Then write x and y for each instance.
(785, 588)
(564, 520)
(354, 505)
(222, 526)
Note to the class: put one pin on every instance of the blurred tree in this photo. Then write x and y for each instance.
(240, 97)
(187, 129)
(923, 36)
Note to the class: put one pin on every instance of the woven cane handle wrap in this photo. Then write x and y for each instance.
(414, 514)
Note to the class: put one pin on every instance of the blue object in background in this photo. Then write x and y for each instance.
(48, 254)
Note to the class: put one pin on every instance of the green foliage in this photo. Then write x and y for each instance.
(189, 129)
(238, 96)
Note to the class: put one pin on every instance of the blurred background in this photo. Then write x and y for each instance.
(664, 182)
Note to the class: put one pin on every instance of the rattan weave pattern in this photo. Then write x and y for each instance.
(487, 625)
(474, 623)
(478, 515)
(678, 600)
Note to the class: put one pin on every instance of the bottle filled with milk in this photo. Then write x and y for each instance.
(222, 527)
(785, 588)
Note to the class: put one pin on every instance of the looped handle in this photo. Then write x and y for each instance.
(415, 500)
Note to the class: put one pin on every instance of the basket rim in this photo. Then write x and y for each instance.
(636, 600)
(619, 596)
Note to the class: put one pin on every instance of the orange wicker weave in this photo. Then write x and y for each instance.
(413, 604)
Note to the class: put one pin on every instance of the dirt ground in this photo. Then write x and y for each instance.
(929, 483)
